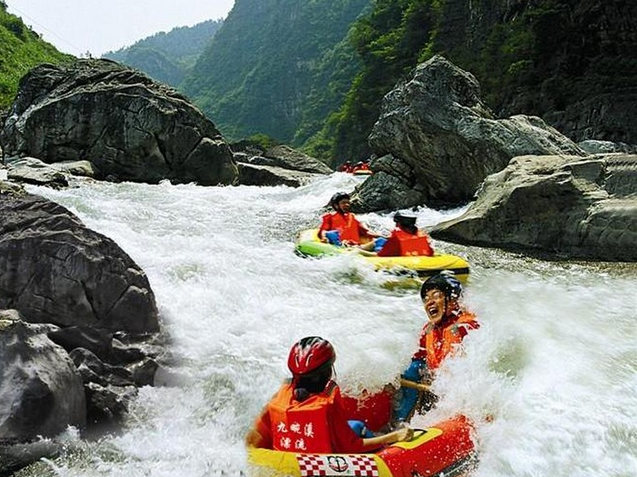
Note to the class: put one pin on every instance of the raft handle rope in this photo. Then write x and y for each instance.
(419, 432)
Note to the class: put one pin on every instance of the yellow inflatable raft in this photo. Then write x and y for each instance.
(308, 244)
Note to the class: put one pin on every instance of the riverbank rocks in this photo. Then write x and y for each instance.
(55, 270)
(257, 175)
(127, 125)
(288, 158)
(40, 388)
(560, 206)
(89, 297)
(279, 165)
(437, 141)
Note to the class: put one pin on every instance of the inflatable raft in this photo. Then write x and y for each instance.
(308, 244)
(362, 172)
(445, 449)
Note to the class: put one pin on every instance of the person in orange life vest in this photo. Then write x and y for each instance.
(406, 239)
(307, 413)
(448, 324)
(364, 165)
(346, 167)
(341, 227)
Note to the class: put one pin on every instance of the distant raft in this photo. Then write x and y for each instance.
(308, 244)
(362, 172)
(445, 449)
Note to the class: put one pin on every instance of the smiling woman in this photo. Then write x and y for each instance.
(83, 27)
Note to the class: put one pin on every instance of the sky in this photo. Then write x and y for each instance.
(97, 26)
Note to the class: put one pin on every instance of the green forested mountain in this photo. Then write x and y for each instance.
(167, 57)
(308, 73)
(22, 49)
(277, 67)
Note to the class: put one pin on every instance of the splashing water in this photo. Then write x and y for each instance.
(554, 363)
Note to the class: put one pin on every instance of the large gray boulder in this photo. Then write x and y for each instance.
(561, 206)
(55, 270)
(258, 175)
(129, 126)
(288, 158)
(42, 393)
(443, 141)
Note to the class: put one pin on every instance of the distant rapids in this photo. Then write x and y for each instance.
(555, 361)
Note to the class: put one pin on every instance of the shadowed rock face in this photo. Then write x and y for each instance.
(91, 300)
(129, 126)
(279, 165)
(41, 390)
(55, 270)
(253, 174)
(438, 140)
(288, 158)
(556, 205)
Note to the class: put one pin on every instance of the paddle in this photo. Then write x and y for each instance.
(406, 383)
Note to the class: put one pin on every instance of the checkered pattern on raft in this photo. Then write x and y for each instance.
(342, 465)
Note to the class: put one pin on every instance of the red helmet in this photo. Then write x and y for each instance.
(310, 354)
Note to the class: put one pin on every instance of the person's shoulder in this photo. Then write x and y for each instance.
(465, 322)
(466, 316)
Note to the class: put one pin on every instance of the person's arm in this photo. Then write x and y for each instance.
(430, 250)
(345, 440)
(326, 224)
(402, 434)
(406, 383)
(363, 230)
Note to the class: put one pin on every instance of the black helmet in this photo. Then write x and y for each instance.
(405, 219)
(336, 198)
(445, 282)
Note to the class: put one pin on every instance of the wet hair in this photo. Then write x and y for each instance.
(313, 382)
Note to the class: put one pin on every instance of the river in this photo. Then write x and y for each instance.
(555, 361)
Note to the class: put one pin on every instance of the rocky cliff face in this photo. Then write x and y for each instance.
(129, 126)
(437, 141)
(573, 63)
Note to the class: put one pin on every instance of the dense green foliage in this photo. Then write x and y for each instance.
(22, 49)
(532, 57)
(167, 57)
(389, 42)
(277, 67)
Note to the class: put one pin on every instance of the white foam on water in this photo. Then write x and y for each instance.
(554, 363)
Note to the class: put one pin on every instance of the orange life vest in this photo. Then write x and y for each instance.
(347, 225)
(437, 342)
(301, 426)
(402, 243)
